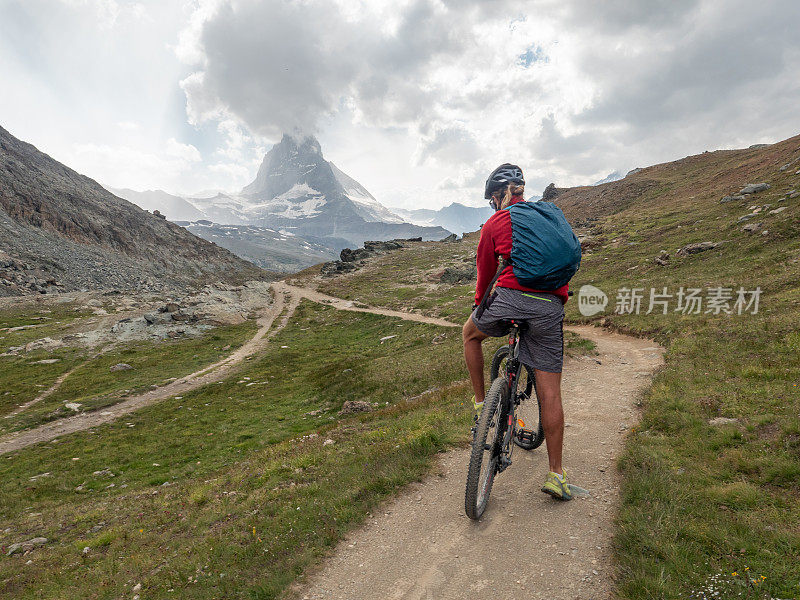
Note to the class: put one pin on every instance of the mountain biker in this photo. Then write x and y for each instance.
(542, 343)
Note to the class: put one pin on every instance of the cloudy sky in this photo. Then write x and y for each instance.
(416, 99)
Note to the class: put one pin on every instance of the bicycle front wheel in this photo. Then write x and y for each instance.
(486, 449)
(529, 409)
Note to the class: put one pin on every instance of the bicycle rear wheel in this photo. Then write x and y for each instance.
(529, 410)
(486, 449)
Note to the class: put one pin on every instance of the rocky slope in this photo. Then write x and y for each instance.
(262, 246)
(60, 227)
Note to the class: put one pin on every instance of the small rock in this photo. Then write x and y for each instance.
(698, 247)
(86, 550)
(26, 546)
(765, 232)
(736, 198)
(754, 188)
(717, 421)
(454, 275)
(662, 259)
(387, 337)
(137, 588)
(76, 406)
(103, 473)
(328, 442)
(747, 217)
(355, 406)
(451, 238)
(46, 361)
(120, 367)
(438, 339)
(156, 318)
(778, 210)
(752, 227)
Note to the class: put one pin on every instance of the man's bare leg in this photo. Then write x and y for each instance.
(548, 388)
(473, 354)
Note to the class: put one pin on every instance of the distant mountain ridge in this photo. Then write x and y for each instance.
(66, 227)
(174, 208)
(456, 217)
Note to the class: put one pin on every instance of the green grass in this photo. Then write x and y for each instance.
(38, 322)
(93, 385)
(252, 500)
(700, 502)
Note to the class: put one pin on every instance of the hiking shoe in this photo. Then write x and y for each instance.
(556, 485)
(478, 408)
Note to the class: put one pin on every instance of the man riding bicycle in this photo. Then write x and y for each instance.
(542, 342)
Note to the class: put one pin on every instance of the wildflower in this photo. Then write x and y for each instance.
(734, 573)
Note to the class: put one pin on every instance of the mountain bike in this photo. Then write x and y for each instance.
(510, 405)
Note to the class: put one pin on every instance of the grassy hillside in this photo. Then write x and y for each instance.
(706, 507)
(233, 489)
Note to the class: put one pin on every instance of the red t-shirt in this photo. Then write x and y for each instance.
(496, 242)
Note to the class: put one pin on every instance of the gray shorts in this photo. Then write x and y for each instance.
(541, 346)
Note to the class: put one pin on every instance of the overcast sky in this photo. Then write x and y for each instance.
(418, 100)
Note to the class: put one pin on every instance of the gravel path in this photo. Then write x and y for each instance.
(527, 545)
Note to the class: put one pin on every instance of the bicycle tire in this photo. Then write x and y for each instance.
(479, 487)
(530, 390)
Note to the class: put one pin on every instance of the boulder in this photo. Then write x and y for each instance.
(698, 247)
(550, 192)
(185, 315)
(26, 546)
(752, 227)
(754, 188)
(375, 247)
(736, 198)
(348, 255)
(451, 238)
(157, 213)
(351, 407)
(455, 275)
(747, 217)
(120, 367)
(662, 259)
(778, 210)
(156, 318)
(716, 422)
(337, 266)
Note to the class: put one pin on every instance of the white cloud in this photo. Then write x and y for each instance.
(417, 99)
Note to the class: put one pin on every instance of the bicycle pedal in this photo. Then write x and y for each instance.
(525, 435)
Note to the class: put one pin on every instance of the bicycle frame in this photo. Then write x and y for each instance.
(513, 367)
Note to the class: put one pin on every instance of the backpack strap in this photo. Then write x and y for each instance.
(503, 263)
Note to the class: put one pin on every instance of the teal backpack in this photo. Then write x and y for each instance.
(545, 252)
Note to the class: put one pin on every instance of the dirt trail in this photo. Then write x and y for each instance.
(286, 296)
(527, 545)
(341, 304)
(209, 374)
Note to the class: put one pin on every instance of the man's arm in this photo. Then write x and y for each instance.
(486, 262)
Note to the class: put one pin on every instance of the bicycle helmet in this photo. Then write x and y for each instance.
(501, 177)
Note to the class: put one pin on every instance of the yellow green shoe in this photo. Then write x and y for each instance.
(556, 485)
(478, 406)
